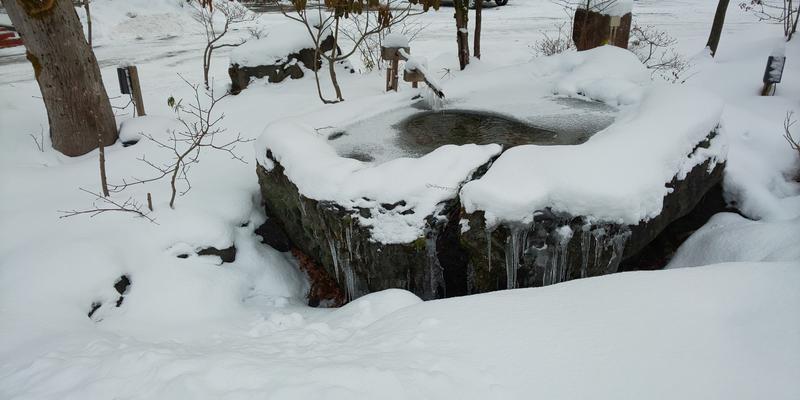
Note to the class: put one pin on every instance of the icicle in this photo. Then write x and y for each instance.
(599, 236)
(617, 249)
(564, 235)
(349, 282)
(513, 250)
(348, 237)
(335, 257)
(586, 242)
(436, 277)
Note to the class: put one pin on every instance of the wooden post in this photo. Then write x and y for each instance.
(393, 55)
(136, 90)
(395, 70)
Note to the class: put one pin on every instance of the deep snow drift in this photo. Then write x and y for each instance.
(195, 328)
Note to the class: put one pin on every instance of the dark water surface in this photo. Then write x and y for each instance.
(423, 132)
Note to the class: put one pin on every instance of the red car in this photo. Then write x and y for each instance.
(9, 37)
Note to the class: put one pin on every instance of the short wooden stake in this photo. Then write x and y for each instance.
(395, 69)
(136, 90)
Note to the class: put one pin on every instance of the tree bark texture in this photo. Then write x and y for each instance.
(716, 27)
(462, 32)
(78, 109)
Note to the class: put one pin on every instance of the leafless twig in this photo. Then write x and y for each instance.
(555, 43)
(103, 204)
(201, 130)
(656, 50)
(787, 12)
(787, 125)
(40, 140)
(232, 13)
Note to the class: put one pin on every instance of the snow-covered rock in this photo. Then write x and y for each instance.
(373, 224)
(277, 56)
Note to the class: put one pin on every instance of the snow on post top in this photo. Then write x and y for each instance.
(614, 8)
(395, 40)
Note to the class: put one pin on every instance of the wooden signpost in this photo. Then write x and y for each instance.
(410, 74)
(773, 73)
(393, 55)
(129, 84)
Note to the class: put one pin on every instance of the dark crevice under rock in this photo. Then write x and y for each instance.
(273, 236)
(227, 255)
(121, 286)
(659, 252)
(446, 262)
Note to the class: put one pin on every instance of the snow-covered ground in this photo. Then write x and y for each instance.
(192, 328)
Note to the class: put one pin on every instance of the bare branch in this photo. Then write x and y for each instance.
(107, 204)
(185, 144)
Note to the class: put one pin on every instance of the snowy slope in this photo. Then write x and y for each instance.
(192, 328)
(727, 332)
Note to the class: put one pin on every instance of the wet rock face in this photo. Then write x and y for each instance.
(459, 254)
(288, 67)
(333, 238)
(561, 247)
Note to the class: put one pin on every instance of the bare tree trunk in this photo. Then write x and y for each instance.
(72, 88)
(206, 64)
(476, 48)
(332, 62)
(794, 25)
(103, 179)
(88, 21)
(716, 27)
(462, 34)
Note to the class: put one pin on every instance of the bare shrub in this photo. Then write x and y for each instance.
(201, 130)
(324, 20)
(555, 42)
(370, 48)
(104, 203)
(786, 12)
(231, 13)
(656, 50)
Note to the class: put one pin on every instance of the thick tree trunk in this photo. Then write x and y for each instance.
(77, 104)
(476, 48)
(462, 32)
(716, 28)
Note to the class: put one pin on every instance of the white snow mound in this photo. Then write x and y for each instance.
(618, 175)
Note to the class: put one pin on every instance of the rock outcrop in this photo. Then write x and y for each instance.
(459, 254)
(285, 67)
(333, 238)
